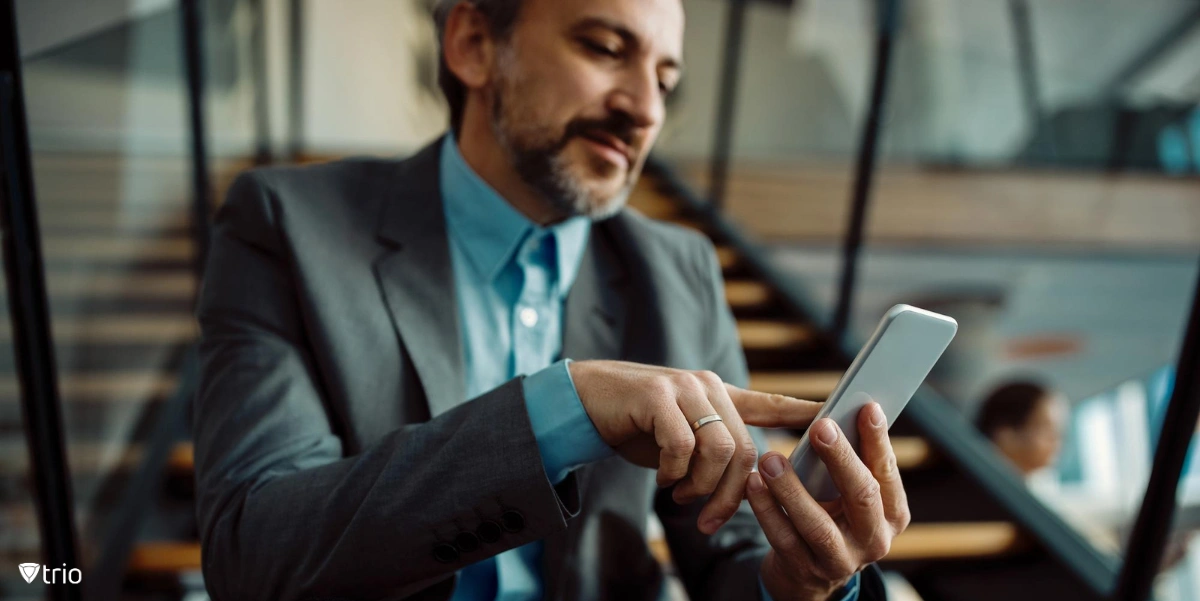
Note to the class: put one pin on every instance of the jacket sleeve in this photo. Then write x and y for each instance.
(283, 512)
(726, 564)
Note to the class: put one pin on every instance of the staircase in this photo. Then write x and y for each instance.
(122, 289)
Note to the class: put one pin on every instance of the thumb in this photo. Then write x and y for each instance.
(772, 410)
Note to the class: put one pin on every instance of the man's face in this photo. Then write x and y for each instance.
(578, 98)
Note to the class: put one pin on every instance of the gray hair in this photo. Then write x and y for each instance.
(501, 16)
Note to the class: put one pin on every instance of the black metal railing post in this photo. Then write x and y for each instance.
(296, 80)
(1147, 542)
(262, 108)
(29, 315)
(1027, 70)
(888, 17)
(193, 58)
(735, 25)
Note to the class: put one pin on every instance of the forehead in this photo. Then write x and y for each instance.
(657, 24)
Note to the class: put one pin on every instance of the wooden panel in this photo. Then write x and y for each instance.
(912, 205)
(812, 385)
(765, 335)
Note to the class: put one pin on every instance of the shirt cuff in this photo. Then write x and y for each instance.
(846, 593)
(565, 435)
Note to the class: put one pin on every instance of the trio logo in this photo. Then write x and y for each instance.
(29, 571)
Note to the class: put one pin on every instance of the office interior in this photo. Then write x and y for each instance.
(1028, 167)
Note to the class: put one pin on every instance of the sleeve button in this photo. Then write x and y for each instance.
(489, 531)
(445, 553)
(466, 542)
(512, 520)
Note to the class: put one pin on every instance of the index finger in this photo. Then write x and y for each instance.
(769, 410)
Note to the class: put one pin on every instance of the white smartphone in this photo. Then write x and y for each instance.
(888, 370)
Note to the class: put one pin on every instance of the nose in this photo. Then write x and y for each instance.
(637, 96)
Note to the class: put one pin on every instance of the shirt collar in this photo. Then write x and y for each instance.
(490, 230)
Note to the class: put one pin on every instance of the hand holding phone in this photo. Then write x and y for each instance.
(888, 370)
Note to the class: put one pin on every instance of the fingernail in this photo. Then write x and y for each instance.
(877, 417)
(712, 525)
(754, 483)
(773, 466)
(826, 433)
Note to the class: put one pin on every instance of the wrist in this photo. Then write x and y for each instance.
(785, 585)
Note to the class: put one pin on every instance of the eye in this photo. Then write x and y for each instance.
(600, 49)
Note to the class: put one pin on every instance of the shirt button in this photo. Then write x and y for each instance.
(529, 317)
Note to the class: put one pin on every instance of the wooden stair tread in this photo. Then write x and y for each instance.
(159, 557)
(119, 329)
(162, 285)
(912, 452)
(811, 385)
(747, 294)
(771, 334)
(726, 257)
(124, 385)
(967, 540)
(931, 541)
(92, 457)
(93, 248)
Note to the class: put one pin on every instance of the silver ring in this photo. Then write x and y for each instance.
(704, 421)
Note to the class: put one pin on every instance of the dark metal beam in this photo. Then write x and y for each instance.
(735, 25)
(1027, 71)
(262, 108)
(296, 79)
(29, 314)
(888, 16)
(1157, 49)
(193, 57)
(1144, 553)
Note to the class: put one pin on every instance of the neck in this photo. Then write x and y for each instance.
(487, 157)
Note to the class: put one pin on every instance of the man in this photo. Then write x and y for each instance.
(386, 409)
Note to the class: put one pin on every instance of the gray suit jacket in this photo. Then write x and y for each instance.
(336, 454)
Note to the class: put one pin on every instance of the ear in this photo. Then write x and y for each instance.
(468, 45)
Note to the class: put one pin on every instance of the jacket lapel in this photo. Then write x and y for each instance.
(416, 277)
(595, 312)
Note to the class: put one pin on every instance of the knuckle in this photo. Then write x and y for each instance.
(821, 536)
(709, 378)
(867, 495)
(747, 456)
(887, 469)
(680, 446)
(661, 390)
(722, 447)
(790, 496)
(903, 518)
(879, 547)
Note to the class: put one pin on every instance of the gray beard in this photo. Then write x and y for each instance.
(544, 169)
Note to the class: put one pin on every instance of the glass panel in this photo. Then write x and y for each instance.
(20, 540)
(795, 127)
(108, 122)
(1057, 232)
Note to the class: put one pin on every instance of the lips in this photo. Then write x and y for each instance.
(608, 140)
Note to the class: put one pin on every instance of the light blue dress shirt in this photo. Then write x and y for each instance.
(512, 277)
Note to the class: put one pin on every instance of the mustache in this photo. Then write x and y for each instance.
(617, 124)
